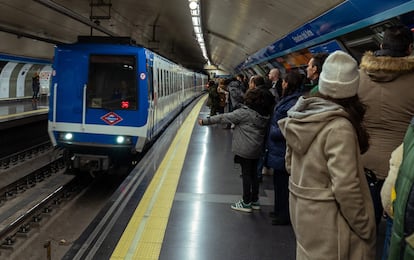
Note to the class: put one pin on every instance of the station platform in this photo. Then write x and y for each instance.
(175, 204)
(15, 112)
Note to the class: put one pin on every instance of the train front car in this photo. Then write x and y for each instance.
(99, 102)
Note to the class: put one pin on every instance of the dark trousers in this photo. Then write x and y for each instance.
(281, 183)
(35, 94)
(260, 165)
(213, 110)
(250, 179)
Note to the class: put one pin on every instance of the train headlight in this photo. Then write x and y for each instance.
(123, 139)
(120, 139)
(67, 136)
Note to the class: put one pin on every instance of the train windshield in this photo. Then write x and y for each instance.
(112, 82)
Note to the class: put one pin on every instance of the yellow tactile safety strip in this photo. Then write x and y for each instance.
(142, 238)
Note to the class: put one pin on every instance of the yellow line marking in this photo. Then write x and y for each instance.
(142, 238)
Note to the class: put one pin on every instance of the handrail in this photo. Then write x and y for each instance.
(54, 103)
(84, 106)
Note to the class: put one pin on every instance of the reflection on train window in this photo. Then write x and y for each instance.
(112, 83)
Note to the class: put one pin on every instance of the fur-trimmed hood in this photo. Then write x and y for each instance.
(386, 68)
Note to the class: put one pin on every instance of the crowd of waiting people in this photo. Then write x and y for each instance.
(339, 141)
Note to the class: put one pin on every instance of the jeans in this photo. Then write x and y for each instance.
(375, 186)
(387, 239)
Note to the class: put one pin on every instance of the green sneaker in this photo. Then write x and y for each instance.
(256, 205)
(241, 206)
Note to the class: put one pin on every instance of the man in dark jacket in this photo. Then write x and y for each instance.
(276, 88)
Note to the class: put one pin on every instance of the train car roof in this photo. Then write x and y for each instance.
(105, 39)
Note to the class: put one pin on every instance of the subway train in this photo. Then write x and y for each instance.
(110, 98)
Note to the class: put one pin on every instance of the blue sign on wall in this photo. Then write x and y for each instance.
(349, 16)
(328, 47)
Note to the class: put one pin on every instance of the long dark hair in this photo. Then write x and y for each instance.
(356, 111)
(258, 100)
(294, 82)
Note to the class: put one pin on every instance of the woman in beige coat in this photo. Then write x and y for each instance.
(330, 205)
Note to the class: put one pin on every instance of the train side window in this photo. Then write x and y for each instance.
(172, 82)
(112, 83)
(162, 83)
(167, 83)
(150, 82)
(175, 82)
(158, 82)
(177, 88)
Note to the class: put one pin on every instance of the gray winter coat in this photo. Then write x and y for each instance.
(249, 131)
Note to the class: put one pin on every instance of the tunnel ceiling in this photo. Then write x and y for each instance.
(233, 29)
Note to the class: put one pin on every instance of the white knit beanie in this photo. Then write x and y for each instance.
(339, 77)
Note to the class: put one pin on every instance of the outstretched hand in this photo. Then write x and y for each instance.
(200, 121)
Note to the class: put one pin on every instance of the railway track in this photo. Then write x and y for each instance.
(39, 203)
(32, 187)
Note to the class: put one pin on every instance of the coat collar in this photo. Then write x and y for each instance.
(370, 62)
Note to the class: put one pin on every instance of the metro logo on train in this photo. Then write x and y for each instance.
(111, 118)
